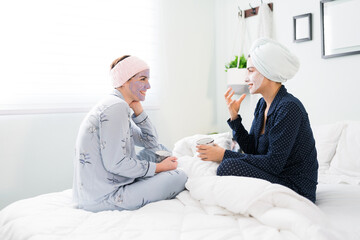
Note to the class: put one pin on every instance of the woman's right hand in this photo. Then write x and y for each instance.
(167, 164)
(136, 107)
(233, 105)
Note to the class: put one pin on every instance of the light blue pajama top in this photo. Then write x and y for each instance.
(105, 157)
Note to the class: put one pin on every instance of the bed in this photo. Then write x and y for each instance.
(211, 207)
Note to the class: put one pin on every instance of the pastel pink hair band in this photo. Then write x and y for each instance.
(126, 69)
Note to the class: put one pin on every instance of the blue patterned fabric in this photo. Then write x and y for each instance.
(285, 154)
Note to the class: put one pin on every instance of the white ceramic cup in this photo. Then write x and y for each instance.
(205, 141)
(161, 155)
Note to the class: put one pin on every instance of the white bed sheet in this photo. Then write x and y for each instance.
(212, 207)
(52, 216)
(341, 205)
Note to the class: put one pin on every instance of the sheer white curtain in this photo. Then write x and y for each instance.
(55, 55)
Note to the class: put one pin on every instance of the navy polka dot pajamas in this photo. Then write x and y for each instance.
(285, 154)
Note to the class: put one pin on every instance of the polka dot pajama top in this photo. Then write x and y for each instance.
(285, 154)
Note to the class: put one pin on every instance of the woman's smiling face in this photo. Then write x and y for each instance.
(254, 78)
(139, 84)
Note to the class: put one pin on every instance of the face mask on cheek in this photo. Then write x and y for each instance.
(138, 85)
(138, 88)
(256, 79)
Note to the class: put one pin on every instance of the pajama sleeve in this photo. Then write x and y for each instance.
(245, 140)
(114, 129)
(282, 137)
(143, 131)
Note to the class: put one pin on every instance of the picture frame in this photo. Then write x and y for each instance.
(302, 27)
(340, 36)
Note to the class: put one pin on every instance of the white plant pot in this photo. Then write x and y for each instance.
(235, 78)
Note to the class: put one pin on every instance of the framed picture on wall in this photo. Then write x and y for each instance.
(302, 27)
(340, 33)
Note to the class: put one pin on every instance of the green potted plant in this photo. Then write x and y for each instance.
(236, 74)
(234, 63)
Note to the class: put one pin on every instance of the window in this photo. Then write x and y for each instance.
(56, 55)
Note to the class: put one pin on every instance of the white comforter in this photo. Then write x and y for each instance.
(212, 207)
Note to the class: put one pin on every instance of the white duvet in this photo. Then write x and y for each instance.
(212, 207)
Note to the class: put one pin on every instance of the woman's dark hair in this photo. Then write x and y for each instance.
(116, 61)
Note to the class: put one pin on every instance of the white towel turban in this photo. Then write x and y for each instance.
(273, 60)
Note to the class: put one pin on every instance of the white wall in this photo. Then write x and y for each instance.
(36, 151)
(328, 88)
(188, 79)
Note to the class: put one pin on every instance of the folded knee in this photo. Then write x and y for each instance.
(226, 167)
(176, 179)
(221, 171)
(179, 175)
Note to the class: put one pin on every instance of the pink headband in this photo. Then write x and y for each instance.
(125, 69)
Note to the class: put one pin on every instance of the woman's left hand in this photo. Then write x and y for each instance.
(213, 153)
(136, 107)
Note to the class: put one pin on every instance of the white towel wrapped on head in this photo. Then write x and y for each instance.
(273, 60)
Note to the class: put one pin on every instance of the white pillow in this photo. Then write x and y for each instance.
(347, 157)
(326, 140)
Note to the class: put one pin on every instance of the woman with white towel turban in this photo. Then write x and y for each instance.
(109, 175)
(280, 146)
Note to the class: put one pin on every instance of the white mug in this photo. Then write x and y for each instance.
(161, 155)
(205, 141)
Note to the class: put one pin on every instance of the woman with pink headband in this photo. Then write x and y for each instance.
(109, 175)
